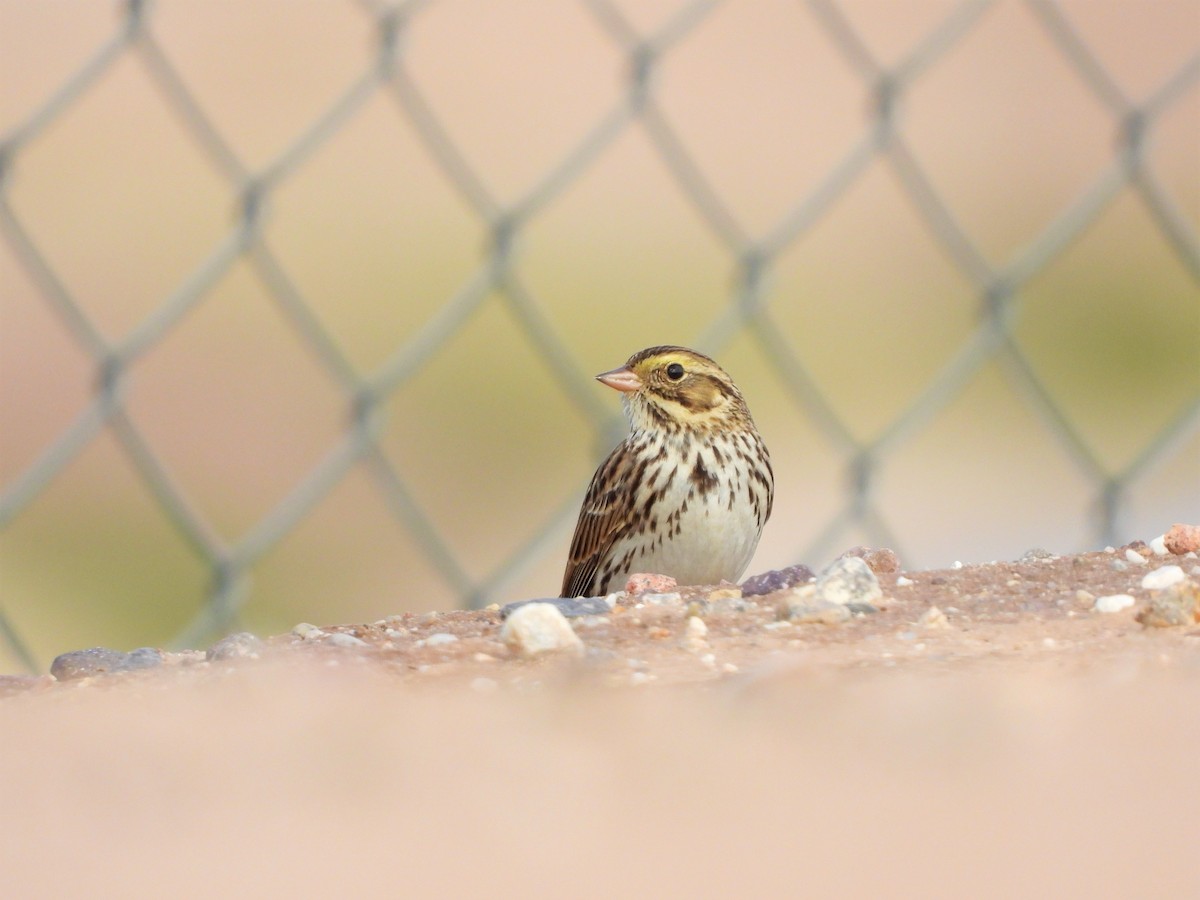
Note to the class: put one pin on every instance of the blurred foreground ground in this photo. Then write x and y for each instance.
(1026, 746)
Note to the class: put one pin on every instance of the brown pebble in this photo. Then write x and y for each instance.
(1177, 605)
(881, 561)
(649, 583)
(1182, 538)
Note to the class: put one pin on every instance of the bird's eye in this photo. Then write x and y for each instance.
(674, 371)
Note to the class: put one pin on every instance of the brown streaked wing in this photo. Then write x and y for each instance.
(603, 519)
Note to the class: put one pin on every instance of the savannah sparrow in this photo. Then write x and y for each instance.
(687, 493)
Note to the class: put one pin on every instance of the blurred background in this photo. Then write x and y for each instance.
(300, 303)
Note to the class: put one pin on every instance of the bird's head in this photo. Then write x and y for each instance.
(671, 388)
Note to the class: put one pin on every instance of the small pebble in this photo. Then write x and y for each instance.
(307, 632)
(242, 645)
(1134, 557)
(670, 599)
(567, 606)
(1179, 604)
(649, 583)
(1113, 603)
(933, 618)
(776, 580)
(904, 582)
(799, 609)
(102, 661)
(882, 561)
(442, 637)
(1085, 598)
(1162, 577)
(1181, 538)
(1035, 554)
(340, 639)
(538, 628)
(1159, 545)
(848, 580)
(483, 658)
(1118, 565)
(728, 592)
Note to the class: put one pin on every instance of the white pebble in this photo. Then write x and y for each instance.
(1114, 603)
(696, 629)
(847, 580)
(307, 632)
(904, 582)
(1134, 557)
(1159, 545)
(1162, 577)
(340, 639)
(957, 564)
(538, 628)
(442, 637)
(641, 678)
(661, 599)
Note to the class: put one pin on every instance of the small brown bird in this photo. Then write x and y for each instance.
(687, 493)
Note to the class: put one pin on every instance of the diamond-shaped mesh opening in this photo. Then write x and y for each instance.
(509, 121)
(96, 551)
(233, 368)
(375, 277)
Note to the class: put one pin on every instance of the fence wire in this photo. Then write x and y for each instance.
(997, 286)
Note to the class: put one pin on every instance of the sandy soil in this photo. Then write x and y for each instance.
(1023, 745)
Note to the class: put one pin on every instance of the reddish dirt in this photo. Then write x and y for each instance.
(1038, 609)
(1027, 745)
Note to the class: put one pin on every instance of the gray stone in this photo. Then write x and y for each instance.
(242, 645)
(1178, 604)
(340, 639)
(570, 607)
(776, 580)
(102, 661)
(848, 580)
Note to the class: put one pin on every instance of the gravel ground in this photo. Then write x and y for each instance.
(985, 730)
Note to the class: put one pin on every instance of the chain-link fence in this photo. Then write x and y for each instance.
(388, 84)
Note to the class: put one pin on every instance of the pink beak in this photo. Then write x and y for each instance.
(623, 379)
